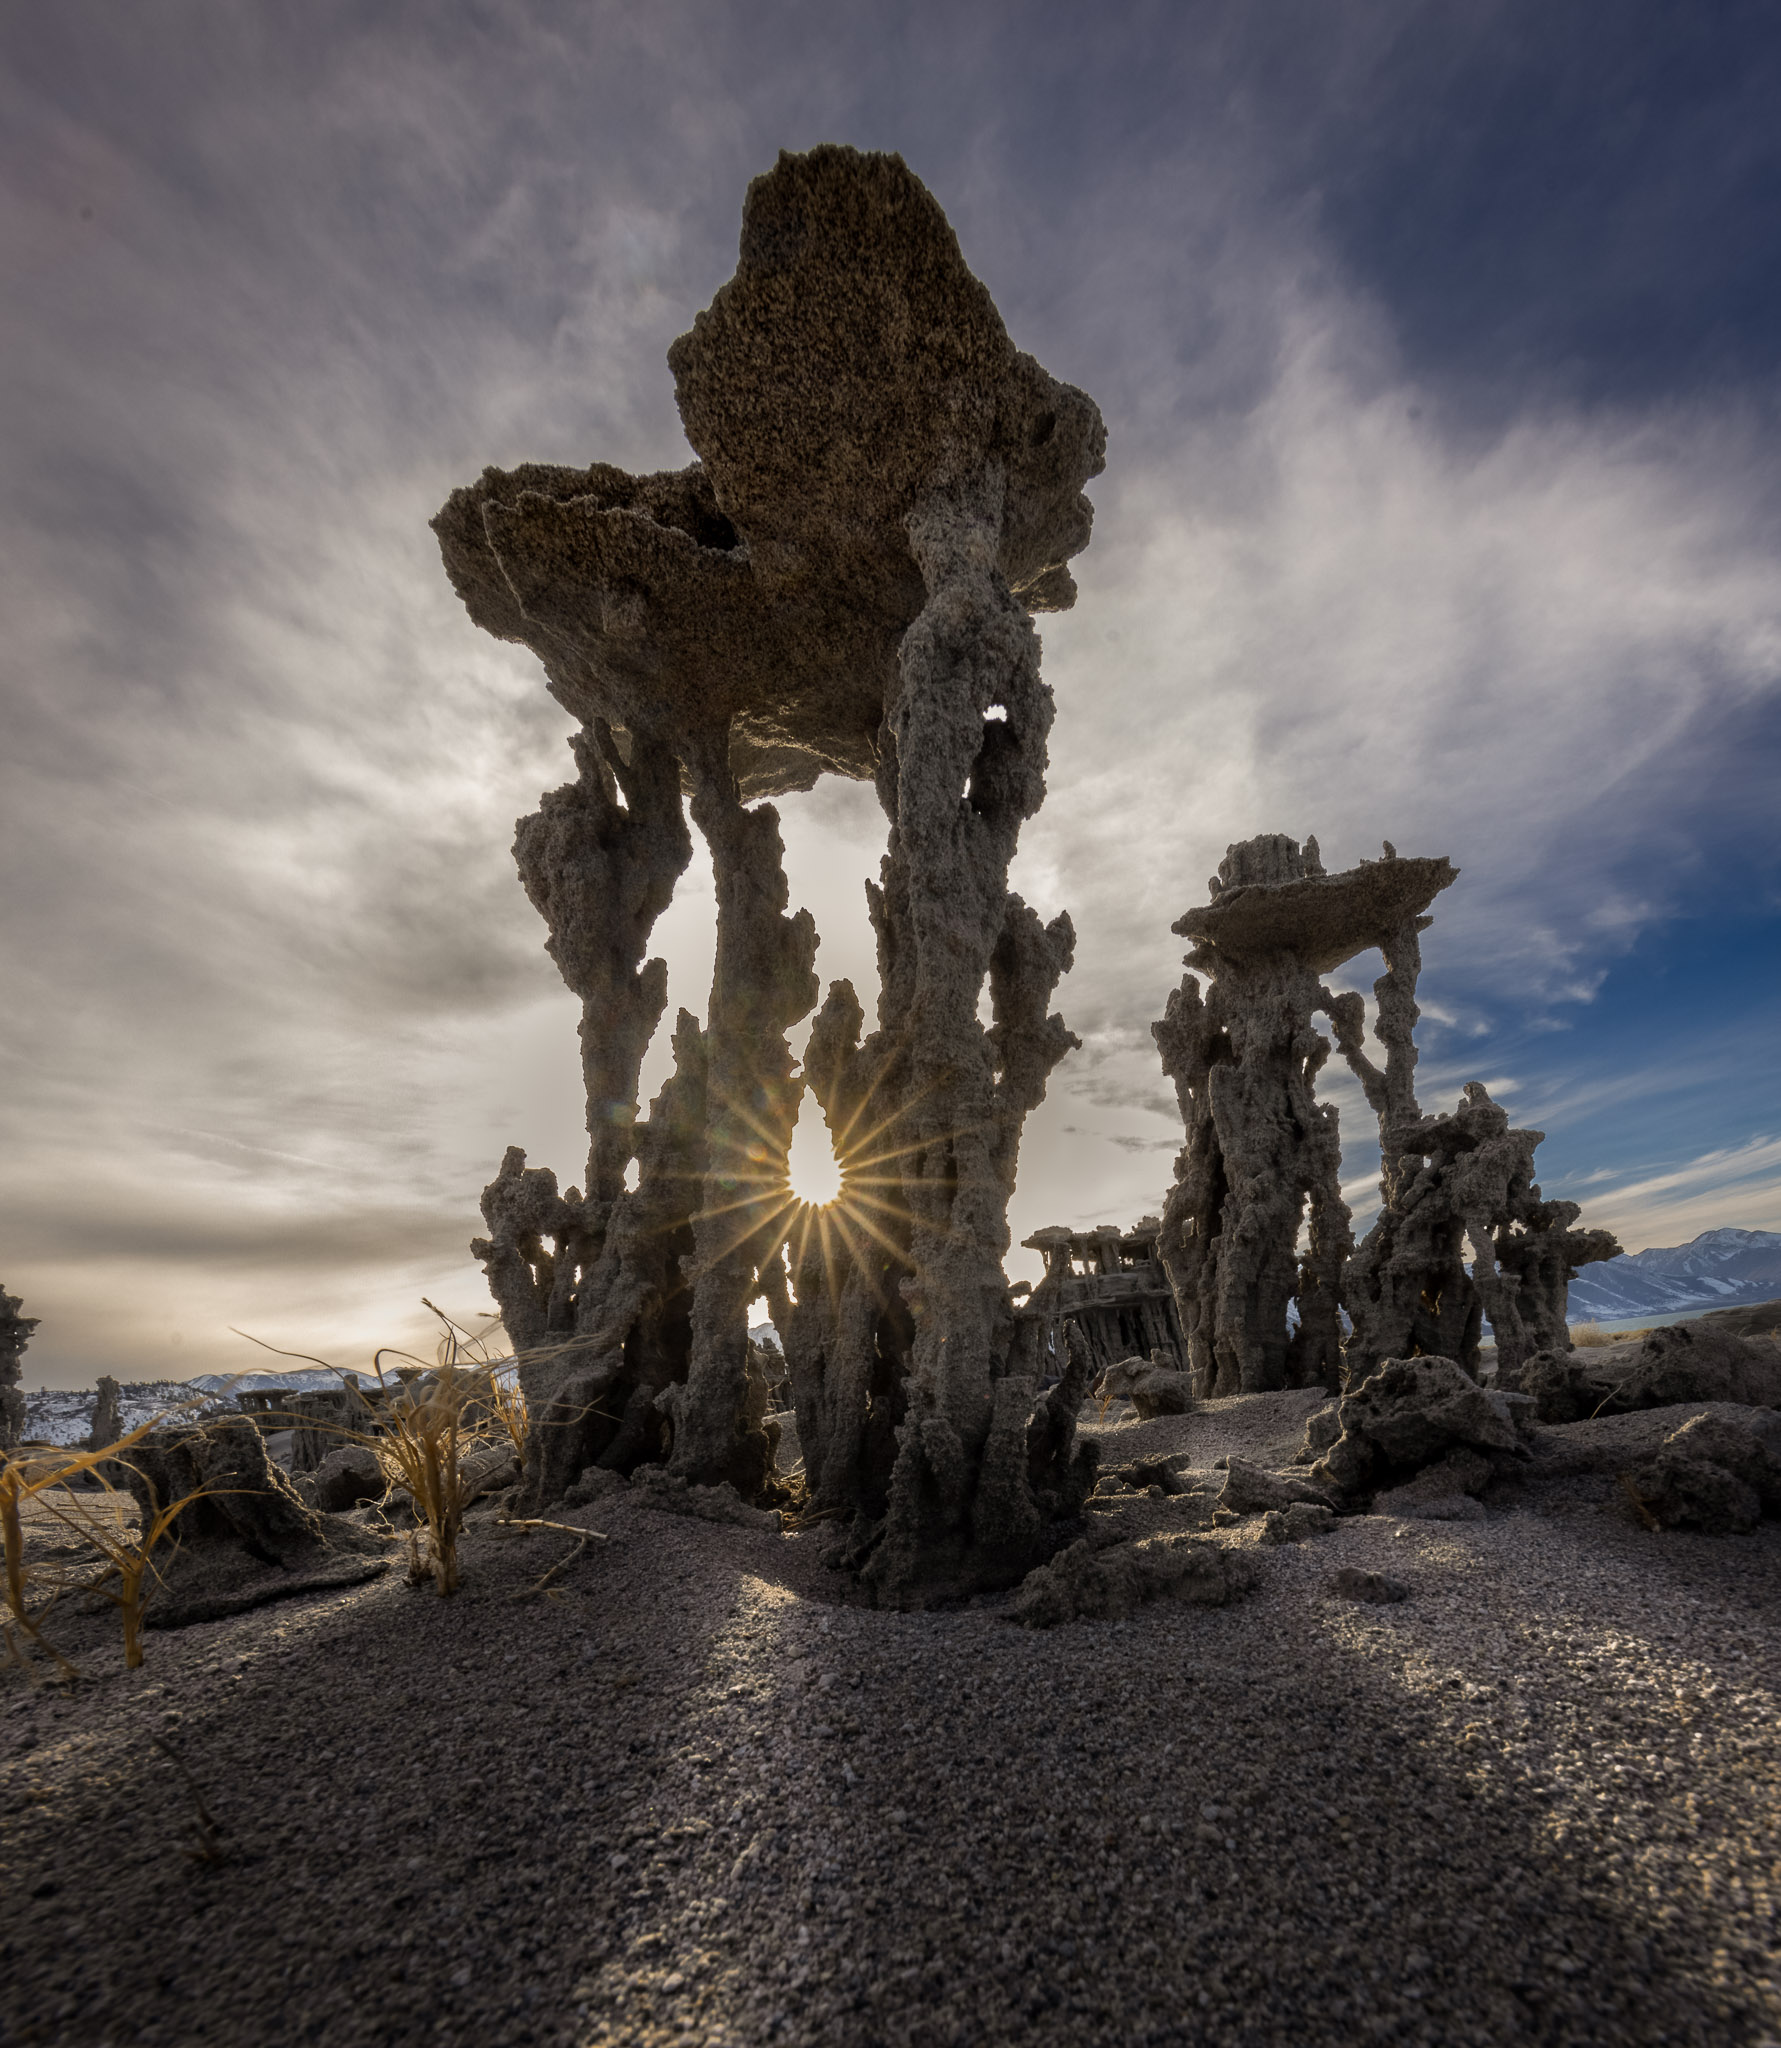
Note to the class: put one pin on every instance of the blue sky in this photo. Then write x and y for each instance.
(1438, 347)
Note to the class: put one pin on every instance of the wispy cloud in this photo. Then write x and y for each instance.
(1738, 1185)
(274, 1001)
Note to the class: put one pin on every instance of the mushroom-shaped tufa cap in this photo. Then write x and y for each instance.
(1274, 898)
(852, 369)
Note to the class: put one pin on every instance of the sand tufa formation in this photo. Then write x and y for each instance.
(1256, 1221)
(15, 1334)
(886, 490)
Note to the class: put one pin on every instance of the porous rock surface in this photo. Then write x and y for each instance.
(1152, 1388)
(1684, 1362)
(1720, 1472)
(1083, 1583)
(1416, 1412)
(347, 1477)
(842, 583)
(1249, 1490)
(1297, 1522)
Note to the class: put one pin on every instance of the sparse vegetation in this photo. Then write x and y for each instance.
(44, 1477)
(130, 1575)
(428, 1423)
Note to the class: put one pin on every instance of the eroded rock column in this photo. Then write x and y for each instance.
(1256, 1235)
(886, 490)
(762, 984)
(15, 1334)
(1463, 1231)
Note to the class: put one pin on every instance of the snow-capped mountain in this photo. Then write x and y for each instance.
(63, 1415)
(1720, 1269)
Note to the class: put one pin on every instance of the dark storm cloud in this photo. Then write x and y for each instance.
(1437, 349)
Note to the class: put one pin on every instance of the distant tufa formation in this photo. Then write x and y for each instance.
(1112, 1285)
(842, 584)
(1260, 1169)
(15, 1334)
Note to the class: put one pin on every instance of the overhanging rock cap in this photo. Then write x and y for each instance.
(1322, 919)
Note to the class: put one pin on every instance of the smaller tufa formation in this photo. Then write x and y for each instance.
(1719, 1473)
(15, 1334)
(1151, 1385)
(1256, 1235)
(1262, 1163)
(1112, 1285)
(241, 1495)
(245, 1535)
(108, 1414)
(1084, 1583)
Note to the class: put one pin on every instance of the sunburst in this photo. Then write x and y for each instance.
(838, 1193)
(812, 1169)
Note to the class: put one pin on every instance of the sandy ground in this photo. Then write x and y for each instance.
(702, 1798)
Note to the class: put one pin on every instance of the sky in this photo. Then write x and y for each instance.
(1438, 346)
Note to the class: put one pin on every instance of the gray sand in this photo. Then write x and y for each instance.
(701, 1798)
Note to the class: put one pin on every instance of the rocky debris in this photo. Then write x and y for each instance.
(1568, 1386)
(108, 1414)
(235, 1493)
(1685, 1362)
(246, 1537)
(1249, 1490)
(1698, 1362)
(1086, 1584)
(1748, 1319)
(656, 1487)
(1352, 1583)
(1446, 1491)
(1413, 1413)
(1321, 1430)
(1608, 1446)
(1297, 1522)
(347, 1477)
(886, 490)
(1141, 1474)
(1113, 1286)
(1152, 1387)
(15, 1334)
(1719, 1473)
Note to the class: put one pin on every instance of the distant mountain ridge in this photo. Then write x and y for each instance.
(1720, 1269)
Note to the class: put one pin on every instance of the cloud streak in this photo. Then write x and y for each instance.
(274, 1002)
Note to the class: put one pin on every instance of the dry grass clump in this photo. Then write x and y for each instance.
(1589, 1336)
(427, 1425)
(101, 1523)
(130, 1575)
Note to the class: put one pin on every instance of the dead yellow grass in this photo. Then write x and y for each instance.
(427, 1428)
(37, 1486)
